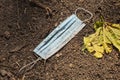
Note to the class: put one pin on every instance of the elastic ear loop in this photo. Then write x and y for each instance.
(91, 14)
(31, 63)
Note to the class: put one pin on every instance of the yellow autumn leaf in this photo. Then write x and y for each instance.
(98, 48)
(100, 42)
(113, 39)
(106, 42)
(87, 41)
(107, 48)
(90, 49)
(98, 55)
(116, 26)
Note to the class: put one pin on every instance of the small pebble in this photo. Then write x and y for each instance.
(7, 34)
(81, 1)
(71, 65)
(56, 24)
(34, 18)
(58, 55)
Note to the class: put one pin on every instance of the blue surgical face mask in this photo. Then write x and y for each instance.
(60, 36)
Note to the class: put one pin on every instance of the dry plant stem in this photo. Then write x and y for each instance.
(101, 2)
(8, 74)
(49, 11)
(45, 65)
(18, 14)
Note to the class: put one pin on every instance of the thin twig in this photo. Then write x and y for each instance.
(23, 78)
(49, 11)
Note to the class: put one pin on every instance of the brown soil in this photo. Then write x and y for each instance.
(24, 25)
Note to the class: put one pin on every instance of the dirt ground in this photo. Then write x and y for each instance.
(24, 25)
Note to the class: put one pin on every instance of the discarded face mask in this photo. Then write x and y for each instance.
(61, 35)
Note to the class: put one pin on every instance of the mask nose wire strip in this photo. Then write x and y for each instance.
(32, 64)
(91, 14)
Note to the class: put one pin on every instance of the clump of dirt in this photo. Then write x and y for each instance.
(24, 25)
